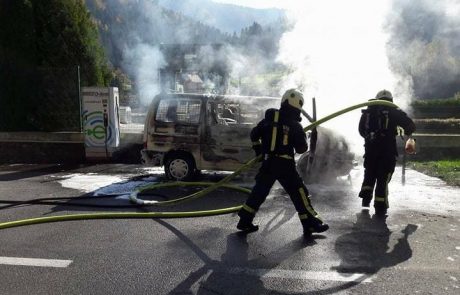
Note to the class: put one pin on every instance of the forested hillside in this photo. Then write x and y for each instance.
(133, 31)
(123, 24)
(228, 18)
(49, 48)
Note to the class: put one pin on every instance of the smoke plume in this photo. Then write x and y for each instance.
(337, 53)
(344, 52)
(144, 61)
(136, 33)
(424, 45)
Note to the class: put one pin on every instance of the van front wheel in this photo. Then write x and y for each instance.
(179, 168)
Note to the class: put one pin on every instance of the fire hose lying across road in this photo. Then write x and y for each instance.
(210, 187)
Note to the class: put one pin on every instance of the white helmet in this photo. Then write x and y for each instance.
(384, 94)
(294, 98)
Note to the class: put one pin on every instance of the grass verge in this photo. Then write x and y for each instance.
(447, 170)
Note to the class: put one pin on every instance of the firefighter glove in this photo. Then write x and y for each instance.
(257, 149)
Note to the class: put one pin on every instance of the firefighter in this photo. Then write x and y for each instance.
(378, 125)
(276, 137)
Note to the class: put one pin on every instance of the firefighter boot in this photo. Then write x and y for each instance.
(366, 196)
(380, 209)
(245, 224)
(313, 225)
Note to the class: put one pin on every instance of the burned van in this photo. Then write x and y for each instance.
(186, 133)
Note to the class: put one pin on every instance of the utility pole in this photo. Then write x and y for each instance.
(79, 98)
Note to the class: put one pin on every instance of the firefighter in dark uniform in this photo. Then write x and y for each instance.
(378, 125)
(276, 137)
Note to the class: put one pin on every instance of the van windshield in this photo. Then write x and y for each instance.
(177, 110)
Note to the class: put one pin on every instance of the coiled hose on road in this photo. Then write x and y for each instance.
(210, 187)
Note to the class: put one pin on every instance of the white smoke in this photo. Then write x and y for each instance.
(337, 51)
(145, 61)
(424, 45)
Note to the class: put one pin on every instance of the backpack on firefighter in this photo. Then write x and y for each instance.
(375, 122)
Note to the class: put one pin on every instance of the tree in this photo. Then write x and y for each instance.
(17, 59)
(43, 51)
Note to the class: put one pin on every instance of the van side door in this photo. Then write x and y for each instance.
(226, 144)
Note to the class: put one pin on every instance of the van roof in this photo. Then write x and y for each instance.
(219, 97)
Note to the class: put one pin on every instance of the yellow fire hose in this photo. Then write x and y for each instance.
(210, 187)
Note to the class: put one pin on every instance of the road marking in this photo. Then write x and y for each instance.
(34, 262)
(305, 275)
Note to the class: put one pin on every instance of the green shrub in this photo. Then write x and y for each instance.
(438, 102)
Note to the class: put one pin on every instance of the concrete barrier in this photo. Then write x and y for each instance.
(438, 126)
(436, 111)
(50, 137)
(438, 140)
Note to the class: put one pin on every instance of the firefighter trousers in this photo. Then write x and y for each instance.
(378, 170)
(283, 170)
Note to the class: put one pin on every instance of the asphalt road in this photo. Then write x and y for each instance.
(415, 250)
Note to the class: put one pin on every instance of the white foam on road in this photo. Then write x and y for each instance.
(107, 184)
(89, 182)
(34, 262)
(304, 275)
(421, 192)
